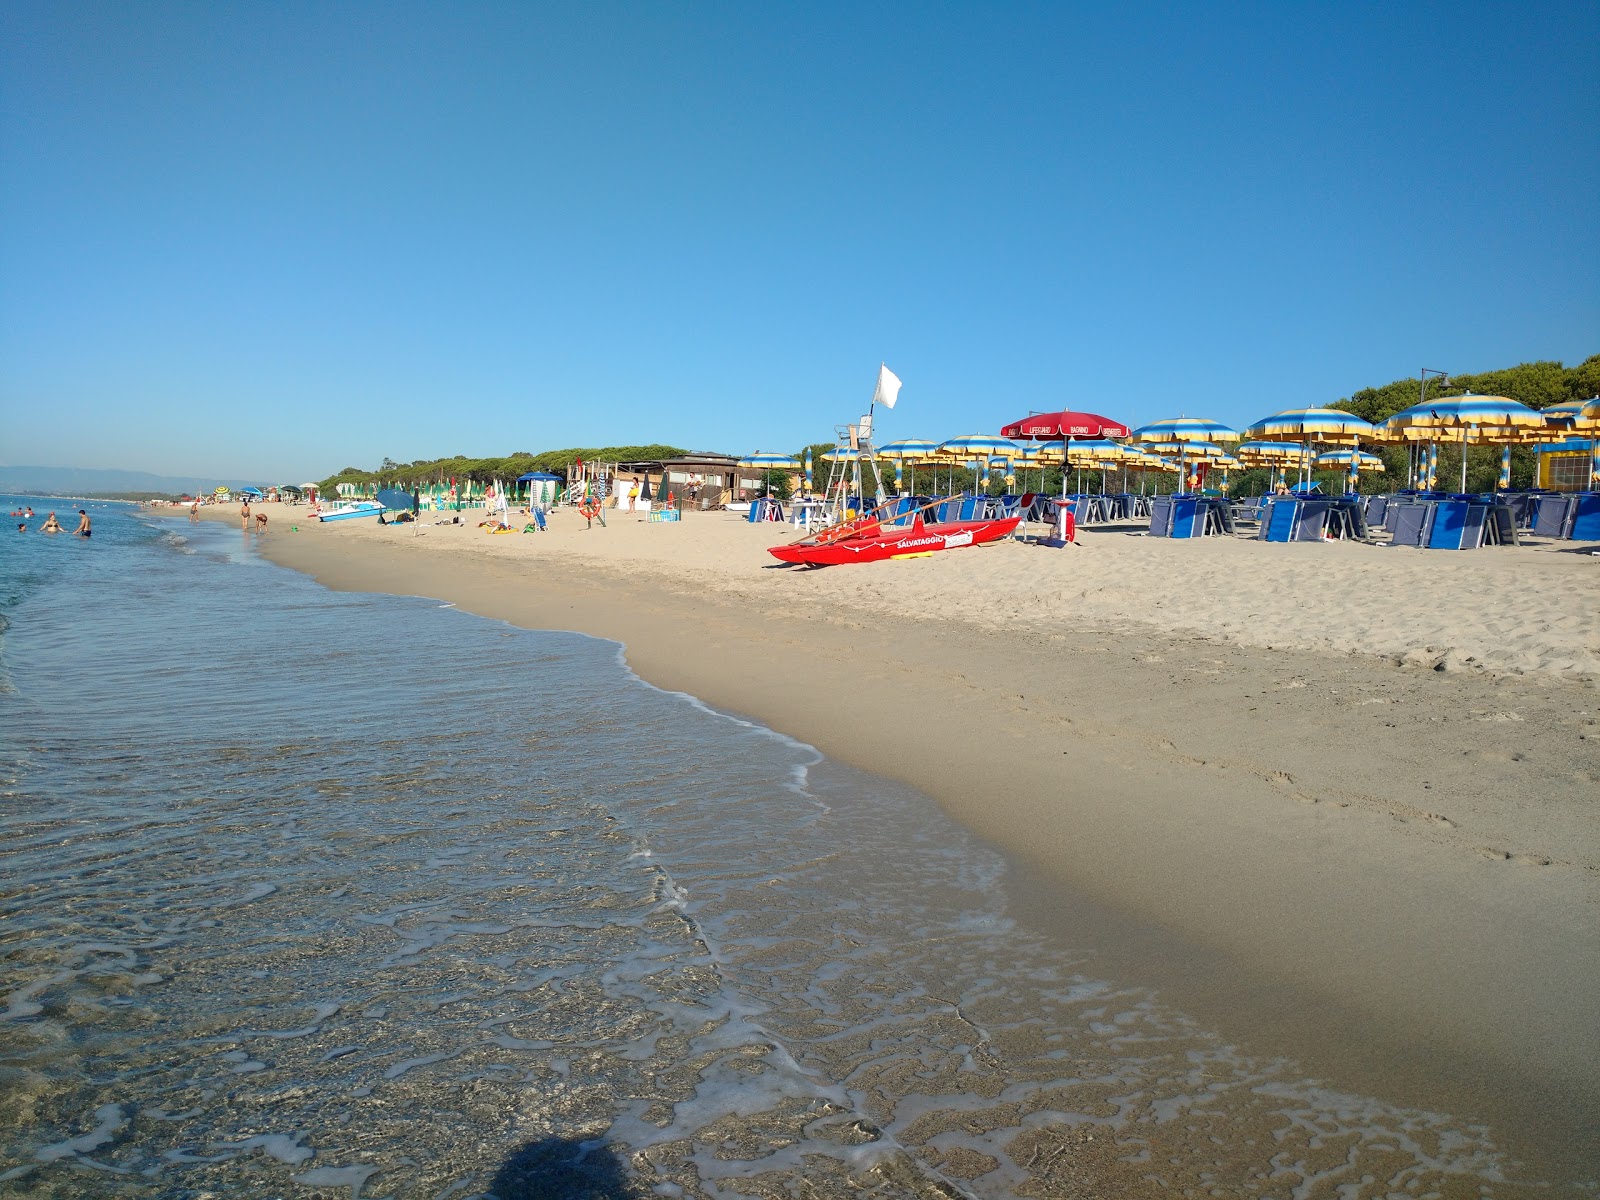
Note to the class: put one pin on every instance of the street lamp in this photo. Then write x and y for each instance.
(1422, 398)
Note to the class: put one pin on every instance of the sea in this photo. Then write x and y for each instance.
(306, 893)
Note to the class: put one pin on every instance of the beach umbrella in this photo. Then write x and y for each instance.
(979, 446)
(1352, 462)
(1058, 426)
(1273, 455)
(974, 450)
(806, 467)
(1183, 432)
(909, 451)
(1325, 426)
(1587, 420)
(1493, 419)
(770, 460)
(1312, 426)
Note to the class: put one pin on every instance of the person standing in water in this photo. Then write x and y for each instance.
(51, 525)
(83, 524)
(194, 509)
(244, 517)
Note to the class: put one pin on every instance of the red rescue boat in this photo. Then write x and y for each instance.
(888, 533)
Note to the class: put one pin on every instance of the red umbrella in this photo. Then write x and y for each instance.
(1065, 424)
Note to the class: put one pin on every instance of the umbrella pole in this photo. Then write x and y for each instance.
(1463, 460)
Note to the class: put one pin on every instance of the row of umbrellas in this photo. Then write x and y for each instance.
(1301, 439)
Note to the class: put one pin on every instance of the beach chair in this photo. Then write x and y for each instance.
(1584, 523)
(1449, 525)
(1554, 519)
(1311, 520)
(1501, 528)
(1188, 517)
(1161, 516)
(1410, 525)
(1375, 507)
(1278, 519)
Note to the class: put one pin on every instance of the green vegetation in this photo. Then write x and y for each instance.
(484, 470)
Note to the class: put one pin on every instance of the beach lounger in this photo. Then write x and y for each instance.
(1278, 519)
(1449, 530)
(1374, 509)
(1161, 516)
(1188, 517)
(1554, 519)
(1584, 523)
(1410, 523)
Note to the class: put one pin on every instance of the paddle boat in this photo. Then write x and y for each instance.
(343, 512)
(895, 530)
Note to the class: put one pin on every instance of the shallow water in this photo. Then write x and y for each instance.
(314, 892)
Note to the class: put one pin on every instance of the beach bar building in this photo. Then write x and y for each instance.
(1564, 466)
(701, 472)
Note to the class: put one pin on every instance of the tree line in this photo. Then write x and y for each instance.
(463, 469)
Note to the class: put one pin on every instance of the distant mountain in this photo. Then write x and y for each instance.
(83, 481)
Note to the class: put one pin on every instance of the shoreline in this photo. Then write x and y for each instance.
(1223, 808)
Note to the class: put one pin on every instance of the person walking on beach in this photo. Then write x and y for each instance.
(83, 524)
(194, 509)
(244, 517)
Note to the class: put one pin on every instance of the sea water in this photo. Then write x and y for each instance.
(312, 893)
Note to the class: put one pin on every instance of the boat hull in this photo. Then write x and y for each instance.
(344, 514)
(894, 543)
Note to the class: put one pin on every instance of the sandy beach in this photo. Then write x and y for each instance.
(1338, 802)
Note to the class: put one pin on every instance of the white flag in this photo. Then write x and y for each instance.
(888, 387)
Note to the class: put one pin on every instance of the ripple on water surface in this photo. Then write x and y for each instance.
(309, 892)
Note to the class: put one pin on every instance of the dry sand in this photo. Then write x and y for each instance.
(1339, 802)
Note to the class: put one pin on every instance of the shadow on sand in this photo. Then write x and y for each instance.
(561, 1169)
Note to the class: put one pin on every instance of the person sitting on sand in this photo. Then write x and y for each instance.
(51, 525)
(83, 524)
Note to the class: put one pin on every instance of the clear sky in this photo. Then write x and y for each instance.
(273, 240)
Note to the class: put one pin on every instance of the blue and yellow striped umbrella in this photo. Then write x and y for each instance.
(1272, 454)
(1469, 412)
(1352, 462)
(771, 460)
(1326, 426)
(979, 446)
(1185, 429)
(913, 450)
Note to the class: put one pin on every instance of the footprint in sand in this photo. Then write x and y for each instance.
(1441, 821)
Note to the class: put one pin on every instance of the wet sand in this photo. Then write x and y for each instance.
(1388, 872)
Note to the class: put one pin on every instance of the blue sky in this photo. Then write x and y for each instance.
(274, 240)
